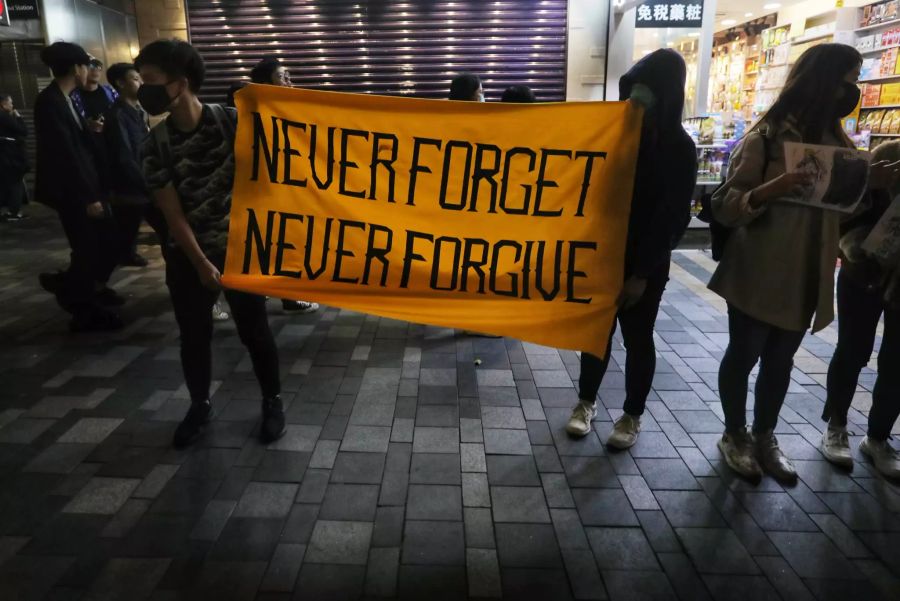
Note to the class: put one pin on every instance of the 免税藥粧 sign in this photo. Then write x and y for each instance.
(669, 13)
(507, 219)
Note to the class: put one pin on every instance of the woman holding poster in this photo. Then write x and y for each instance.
(866, 290)
(777, 269)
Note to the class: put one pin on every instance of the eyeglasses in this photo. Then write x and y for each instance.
(95, 64)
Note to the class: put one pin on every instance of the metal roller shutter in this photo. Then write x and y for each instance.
(380, 47)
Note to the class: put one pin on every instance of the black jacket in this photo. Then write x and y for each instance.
(667, 165)
(67, 156)
(124, 132)
(13, 163)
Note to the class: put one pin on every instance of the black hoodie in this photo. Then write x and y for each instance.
(667, 165)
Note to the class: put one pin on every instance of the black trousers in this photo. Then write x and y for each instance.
(12, 195)
(637, 324)
(193, 304)
(859, 311)
(751, 341)
(93, 244)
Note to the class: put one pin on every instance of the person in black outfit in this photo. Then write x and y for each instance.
(466, 86)
(93, 99)
(188, 165)
(67, 179)
(517, 94)
(13, 164)
(660, 212)
(124, 131)
(270, 71)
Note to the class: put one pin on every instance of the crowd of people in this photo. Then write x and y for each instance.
(104, 171)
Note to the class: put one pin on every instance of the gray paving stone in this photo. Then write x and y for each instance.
(128, 578)
(628, 585)
(324, 455)
(689, 509)
(527, 546)
(495, 377)
(104, 496)
(283, 568)
(300, 524)
(211, 523)
(59, 458)
(388, 530)
(639, 494)
(813, 555)
(90, 430)
(435, 468)
(506, 442)
(339, 543)
(667, 474)
(498, 396)
(621, 549)
(716, 551)
(433, 543)
(539, 433)
(556, 489)
(738, 587)
(524, 504)
(479, 528)
(381, 573)
(483, 573)
(297, 438)
(351, 502)
(121, 524)
(472, 458)
(604, 507)
(470, 430)
(366, 439)
(436, 440)
(321, 581)
(358, 468)
(842, 537)
(502, 417)
(784, 579)
(312, 489)
(434, 502)
(512, 470)
(591, 472)
(266, 500)
(437, 416)
(776, 511)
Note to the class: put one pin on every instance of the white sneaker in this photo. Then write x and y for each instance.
(625, 432)
(299, 307)
(218, 313)
(885, 457)
(740, 453)
(836, 447)
(580, 422)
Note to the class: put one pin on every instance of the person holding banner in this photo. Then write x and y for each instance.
(467, 87)
(189, 167)
(270, 71)
(777, 269)
(660, 212)
(864, 295)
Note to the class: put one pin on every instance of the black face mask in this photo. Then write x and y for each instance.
(844, 105)
(154, 98)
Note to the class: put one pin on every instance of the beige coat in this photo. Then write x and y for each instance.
(778, 264)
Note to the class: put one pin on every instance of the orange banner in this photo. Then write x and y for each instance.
(505, 219)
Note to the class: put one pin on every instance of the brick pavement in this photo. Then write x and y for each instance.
(408, 470)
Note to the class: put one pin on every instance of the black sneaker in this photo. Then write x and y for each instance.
(272, 427)
(193, 426)
(299, 307)
(109, 297)
(133, 260)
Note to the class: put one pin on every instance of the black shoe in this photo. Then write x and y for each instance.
(52, 282)
(134, 260)
(95, 319)
(193, 426)
(109, 298)
(272, 427)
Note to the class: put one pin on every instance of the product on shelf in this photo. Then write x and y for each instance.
(871, 94)
(890, 93)
(888, 62)
(882, 12)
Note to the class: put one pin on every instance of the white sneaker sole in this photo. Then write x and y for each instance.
(621, 445)
(577, 431)
(889, 475)
(844, 462)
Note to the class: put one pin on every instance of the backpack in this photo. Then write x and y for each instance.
(161, 134)
(718, 233)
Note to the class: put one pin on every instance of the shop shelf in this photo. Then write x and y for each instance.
(877, 50)
(812, 38)
(880, 106)
(885, 135)
(877, 79)
(877, 25)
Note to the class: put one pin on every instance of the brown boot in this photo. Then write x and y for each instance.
(772, 460)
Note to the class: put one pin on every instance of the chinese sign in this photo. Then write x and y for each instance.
(669, 13)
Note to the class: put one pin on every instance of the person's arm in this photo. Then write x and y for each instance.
(120, 152)
(744, 195)
(167, 201)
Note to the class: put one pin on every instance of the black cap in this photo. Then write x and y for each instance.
(61, 56)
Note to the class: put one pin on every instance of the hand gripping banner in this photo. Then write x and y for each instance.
(505, 219)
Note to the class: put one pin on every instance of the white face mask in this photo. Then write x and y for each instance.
(643, 95)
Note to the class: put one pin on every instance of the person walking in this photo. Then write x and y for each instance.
(13, 163)
(270, 71)
(660, 212)
(67, 179)
(189, 167)
(867, 291)
(777, 268)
